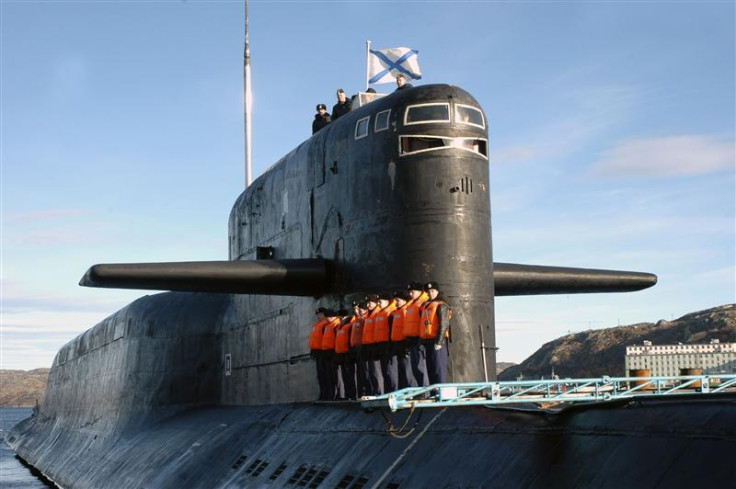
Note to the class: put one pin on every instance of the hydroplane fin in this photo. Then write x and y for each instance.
(299, 277)
(311, 277)
(515, 279)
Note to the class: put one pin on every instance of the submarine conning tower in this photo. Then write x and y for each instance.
(395, 191)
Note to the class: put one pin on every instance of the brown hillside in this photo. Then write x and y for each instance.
(601, 352)
(21, 387)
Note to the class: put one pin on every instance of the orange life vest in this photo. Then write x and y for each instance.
(328, 337)
(315, 339)
(397, 323)
(431, 320)
(356, 333)
(369, 328)
(381, 331)
(413, 315)
(342, 338)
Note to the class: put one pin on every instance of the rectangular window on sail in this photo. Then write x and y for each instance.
(381, 123)
(361, 127)
(423, 113)
(465, 114)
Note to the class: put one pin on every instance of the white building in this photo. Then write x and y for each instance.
(663, 360)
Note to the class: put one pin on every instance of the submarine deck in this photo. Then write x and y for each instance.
(647, 442)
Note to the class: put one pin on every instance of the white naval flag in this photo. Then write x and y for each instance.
(385, 64)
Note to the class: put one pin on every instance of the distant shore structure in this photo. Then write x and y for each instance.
(665, 360)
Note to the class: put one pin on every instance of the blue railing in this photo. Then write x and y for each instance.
(551, 391)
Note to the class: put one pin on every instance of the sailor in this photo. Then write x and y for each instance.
(411, 332)
(328, 351)
(400, 353)
(345, 365)
(435, 331)
(356, 349)
(372, 361)
(401, 82)
(382, 345)
(315, 347)
(343, 105)
(321, 118)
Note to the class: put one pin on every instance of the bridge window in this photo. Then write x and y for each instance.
(381, 123)
(423, 113)
(361, 127)
(465, 114)
(419, 144)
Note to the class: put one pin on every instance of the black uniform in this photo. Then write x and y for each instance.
(320, 121)
(438, 357)
(341, 108)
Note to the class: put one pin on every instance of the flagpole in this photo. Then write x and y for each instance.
(247, 105)
(367, 63)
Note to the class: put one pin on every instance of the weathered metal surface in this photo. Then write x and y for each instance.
(643, 444)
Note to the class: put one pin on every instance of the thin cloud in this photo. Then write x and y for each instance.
(45, 215)
(662, 157)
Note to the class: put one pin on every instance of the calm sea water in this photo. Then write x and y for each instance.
(13, 474)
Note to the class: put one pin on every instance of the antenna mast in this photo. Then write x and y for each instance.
(247, 105)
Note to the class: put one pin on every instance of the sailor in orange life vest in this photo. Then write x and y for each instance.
(382, 338)
(315, 347)
(372, 362)
(435, 331)
(400, 361)
(328, 351)
(414, 343)
(356, 348)
(345, 365)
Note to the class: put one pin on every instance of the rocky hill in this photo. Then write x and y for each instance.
(601, 352)
(21, 387)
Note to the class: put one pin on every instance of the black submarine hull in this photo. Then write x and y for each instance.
(642, 444)
(141, 401)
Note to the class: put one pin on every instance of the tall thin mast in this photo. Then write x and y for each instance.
(367, 64)
(247, 105)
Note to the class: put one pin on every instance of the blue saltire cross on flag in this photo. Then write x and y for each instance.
(385, 64)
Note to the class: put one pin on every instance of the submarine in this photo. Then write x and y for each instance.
(210, 384)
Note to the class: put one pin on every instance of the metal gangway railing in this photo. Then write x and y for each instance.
(551, 391)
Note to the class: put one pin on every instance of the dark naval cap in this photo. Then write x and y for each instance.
(371, 298)
(431, 285)
(321, 106)
(402, 294)
(414, 286)
(384, 297)
(320, 310)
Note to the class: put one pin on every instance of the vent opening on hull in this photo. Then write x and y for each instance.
(239, 461)
(345, 481)
(359, 483)
(256, 467)
(279, 470)
(321, 476)
(298, 473)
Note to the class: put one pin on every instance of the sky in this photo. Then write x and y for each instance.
(611, 123)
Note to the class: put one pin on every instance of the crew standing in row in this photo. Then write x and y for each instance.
(388, 343)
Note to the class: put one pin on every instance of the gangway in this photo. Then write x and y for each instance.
(554, 391)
